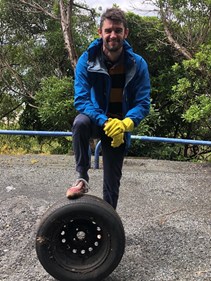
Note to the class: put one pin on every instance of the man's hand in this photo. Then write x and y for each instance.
(117, 140)
(114, 127)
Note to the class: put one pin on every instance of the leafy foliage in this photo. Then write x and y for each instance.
(37, 77)
(193, 92)
(55, 103)
(187, 21)
(32, 49)
(180, 88)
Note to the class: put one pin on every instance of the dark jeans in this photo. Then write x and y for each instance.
(83, 130)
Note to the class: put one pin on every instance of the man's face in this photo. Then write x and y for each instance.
(113, 34)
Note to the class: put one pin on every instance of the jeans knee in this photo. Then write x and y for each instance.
(81, 120)
(81, 123)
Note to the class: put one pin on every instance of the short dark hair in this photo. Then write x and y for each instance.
(114, 14)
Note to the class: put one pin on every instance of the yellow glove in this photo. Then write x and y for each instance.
(117, 140)
(115, 126)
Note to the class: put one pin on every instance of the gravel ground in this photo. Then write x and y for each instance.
(165, 208)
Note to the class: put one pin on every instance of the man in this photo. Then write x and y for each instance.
(112, 96)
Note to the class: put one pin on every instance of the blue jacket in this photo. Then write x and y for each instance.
(93, 84)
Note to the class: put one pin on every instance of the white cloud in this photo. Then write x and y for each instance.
(133, 6)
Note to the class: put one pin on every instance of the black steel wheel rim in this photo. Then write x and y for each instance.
(79, 244)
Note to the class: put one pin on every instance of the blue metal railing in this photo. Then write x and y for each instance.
(35, 133)
(98, 146)
(153, 139)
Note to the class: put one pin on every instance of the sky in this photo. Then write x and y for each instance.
(126, 5)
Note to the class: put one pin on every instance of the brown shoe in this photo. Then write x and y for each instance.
(81, 186)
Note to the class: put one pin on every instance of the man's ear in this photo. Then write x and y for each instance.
(100, 32)
(126, 32)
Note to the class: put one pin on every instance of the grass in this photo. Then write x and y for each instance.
(15, 145)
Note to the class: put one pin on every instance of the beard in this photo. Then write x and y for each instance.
(113, 45)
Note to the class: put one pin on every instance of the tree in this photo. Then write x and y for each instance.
(35, 61)
(193, 91)
(186, 23)
(10, 109)
(33, 45)
(55, 103)
(180, 75)
(66, 10)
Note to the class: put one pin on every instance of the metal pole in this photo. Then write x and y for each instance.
(35, 133)
(97, 155)
(153, 139)
(171, 140)
(98, 146)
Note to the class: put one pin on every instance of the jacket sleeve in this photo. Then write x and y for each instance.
(139, 89)
(82, 96)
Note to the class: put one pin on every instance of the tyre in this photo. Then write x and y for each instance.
(80, 239)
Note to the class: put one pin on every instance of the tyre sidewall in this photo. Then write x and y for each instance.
(90, 209)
